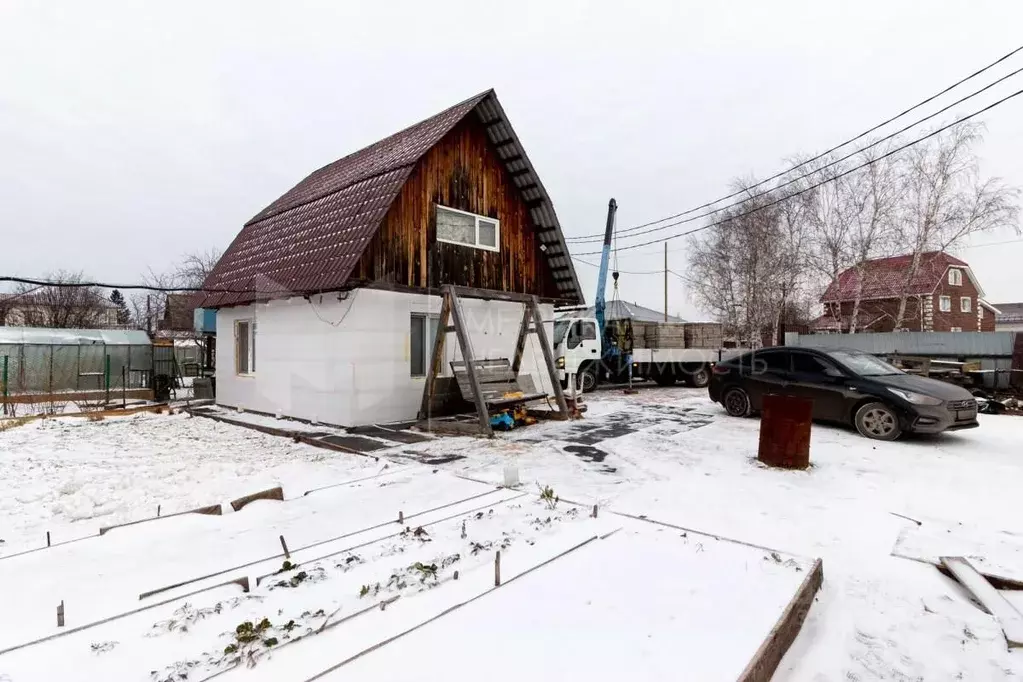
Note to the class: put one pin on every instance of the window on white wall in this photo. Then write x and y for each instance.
(468, 229)
(945, 304)
(245, 346)
(965, 304)
(955, 277)
(422, 333)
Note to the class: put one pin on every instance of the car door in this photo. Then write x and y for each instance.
(590, 344)
(818, 379)
(768, 373)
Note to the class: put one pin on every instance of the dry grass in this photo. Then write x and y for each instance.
(15, 421)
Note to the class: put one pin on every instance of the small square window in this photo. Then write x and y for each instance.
(945, 304)
(488, 233)
(955, 277)
(956, 329)
(965, 304)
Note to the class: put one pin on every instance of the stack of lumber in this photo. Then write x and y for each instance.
(658, 335)
(703, 335)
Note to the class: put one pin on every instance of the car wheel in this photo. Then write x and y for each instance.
(587, 379)
(700, 378)
(736, 402)
(878, 421)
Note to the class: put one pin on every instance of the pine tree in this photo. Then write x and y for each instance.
(123, 315)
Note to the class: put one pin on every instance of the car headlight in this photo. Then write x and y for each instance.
(561, 362)
(915, 398)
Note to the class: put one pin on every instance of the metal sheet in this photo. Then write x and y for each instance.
(937, 344)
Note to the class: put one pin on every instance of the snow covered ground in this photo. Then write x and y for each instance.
(667, 454)
(72, 476)
(878, 617)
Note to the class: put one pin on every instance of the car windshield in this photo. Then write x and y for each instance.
(560, 329)
(865, 365)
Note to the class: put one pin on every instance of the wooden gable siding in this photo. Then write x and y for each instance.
(462, 171)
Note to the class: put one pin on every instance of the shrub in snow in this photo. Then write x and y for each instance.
(547, 496)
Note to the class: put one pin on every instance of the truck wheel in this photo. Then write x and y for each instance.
(736, 402)
(586, 380)
(700, 378)
(878, 421)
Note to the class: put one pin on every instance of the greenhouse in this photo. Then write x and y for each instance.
(51, 361)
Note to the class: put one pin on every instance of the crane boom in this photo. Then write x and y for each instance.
(599, 303)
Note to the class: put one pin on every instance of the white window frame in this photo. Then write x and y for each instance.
(955, 277)
(945, 304)
(250, 367)
(965, 304)
(427, 342)
(477, 218)
(955, 329)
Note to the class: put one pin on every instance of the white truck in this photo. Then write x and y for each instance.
(579, 351)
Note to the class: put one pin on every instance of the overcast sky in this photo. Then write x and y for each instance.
(133, 132)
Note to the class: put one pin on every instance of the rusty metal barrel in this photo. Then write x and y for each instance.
(785, 431)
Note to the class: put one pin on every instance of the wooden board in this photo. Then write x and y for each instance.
(1010, 620)
(765, 661)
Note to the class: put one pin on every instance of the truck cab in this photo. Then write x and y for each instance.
(577, 350)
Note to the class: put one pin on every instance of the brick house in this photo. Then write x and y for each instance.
(942, 296)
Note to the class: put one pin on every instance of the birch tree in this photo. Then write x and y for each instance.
(944, 199)
(743, 269)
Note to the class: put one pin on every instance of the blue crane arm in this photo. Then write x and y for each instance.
(599, 302)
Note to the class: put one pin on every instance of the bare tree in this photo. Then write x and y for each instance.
(849, 219)
(870, 199)
(944, 199)
(744, 269)
(67, 304)
(196, 267)
(148, 308)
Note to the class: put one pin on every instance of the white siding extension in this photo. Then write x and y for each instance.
(348, 362)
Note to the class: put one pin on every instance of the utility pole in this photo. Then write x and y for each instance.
(781, 318)
(665, 281)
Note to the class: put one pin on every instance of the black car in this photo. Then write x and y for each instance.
(846, 386)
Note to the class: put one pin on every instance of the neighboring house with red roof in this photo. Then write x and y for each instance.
(330, 294)
(943, 294)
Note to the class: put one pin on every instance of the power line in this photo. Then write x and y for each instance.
(827, 165)
(145, 287)
(635, 272)
(596, 237)
(815, 186)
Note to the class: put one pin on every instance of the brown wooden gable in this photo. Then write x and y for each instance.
(462, 171)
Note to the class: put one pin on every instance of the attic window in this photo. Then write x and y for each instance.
(955, 277)
(468, 229)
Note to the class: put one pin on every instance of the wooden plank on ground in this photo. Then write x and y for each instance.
(268, 494)
(211, 510)
(1005, 613)
(765, 661)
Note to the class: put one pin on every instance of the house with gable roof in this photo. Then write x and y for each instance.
(328, 298)
(943, 295)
